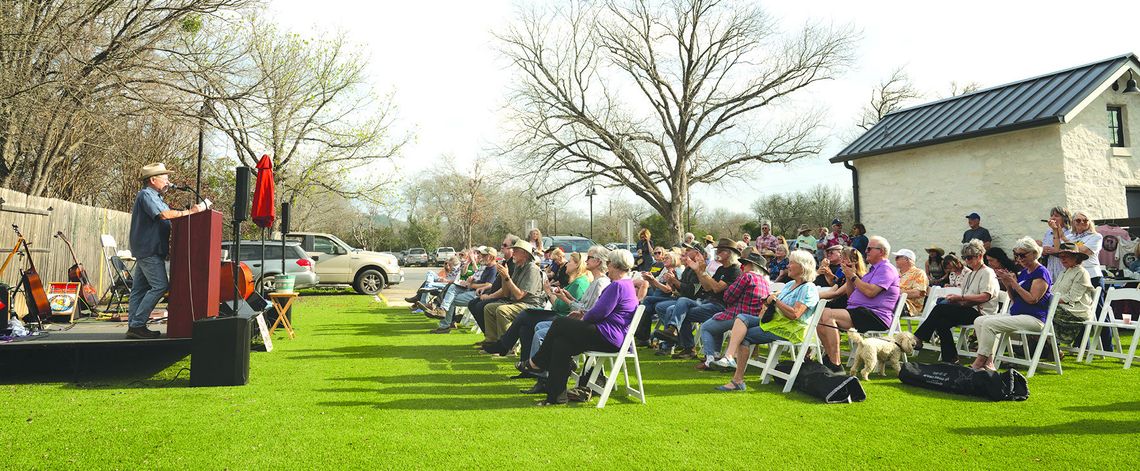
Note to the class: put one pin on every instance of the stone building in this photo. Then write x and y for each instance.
(1009, 153)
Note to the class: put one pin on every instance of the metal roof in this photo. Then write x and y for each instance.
(1032, 102)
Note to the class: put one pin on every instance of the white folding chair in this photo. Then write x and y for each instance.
(1107, 319)
(963, 344)
(933, 295)
(1074, 348)
(467, 320)
(891, 330)
(797, 350)
(1032, 360)
(617, 363)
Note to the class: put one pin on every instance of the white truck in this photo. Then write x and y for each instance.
(340, 264)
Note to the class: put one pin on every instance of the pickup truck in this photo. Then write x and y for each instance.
(340, 264)
(442, 254)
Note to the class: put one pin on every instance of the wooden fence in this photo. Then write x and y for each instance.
(40, 218)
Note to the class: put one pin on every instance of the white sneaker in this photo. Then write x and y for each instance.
(725, 362)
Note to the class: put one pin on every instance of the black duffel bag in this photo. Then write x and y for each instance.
(816, 380)
(958, 379)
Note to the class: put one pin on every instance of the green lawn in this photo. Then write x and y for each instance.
(367, 387)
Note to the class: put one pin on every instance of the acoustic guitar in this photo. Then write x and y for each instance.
(78, 274)
(33, 286)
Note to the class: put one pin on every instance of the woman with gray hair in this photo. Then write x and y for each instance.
(602, 328)
(1030, 293)
(978, 298)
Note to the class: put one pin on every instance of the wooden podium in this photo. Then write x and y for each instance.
(195, 262)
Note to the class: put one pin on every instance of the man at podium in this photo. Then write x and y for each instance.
(150, 245)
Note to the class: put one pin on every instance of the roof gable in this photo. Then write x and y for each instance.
(1032, 102)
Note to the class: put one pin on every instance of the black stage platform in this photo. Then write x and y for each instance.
(91, 334)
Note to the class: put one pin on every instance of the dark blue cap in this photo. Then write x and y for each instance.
(973, 216)
(836, 221)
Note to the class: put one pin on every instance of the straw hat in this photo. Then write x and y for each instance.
(153, 170)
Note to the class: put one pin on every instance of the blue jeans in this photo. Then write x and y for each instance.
(644, 328)
(149, 286)
(460, 299)
(449, 296)
(540, 331)
(425, 296)
(712, 335)
(662, 309)
(756, 335)
(676, 313)
(696, 315)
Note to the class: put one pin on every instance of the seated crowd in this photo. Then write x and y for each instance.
(548, 306)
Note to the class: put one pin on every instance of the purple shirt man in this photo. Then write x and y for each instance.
(883, 275)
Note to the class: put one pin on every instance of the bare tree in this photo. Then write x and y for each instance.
(890, 96)
(963, 88)
(656, 99)
(815, 207)
(305, 102)
(71, 73)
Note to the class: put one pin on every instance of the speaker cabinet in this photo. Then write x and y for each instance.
(241, 194)
(219, 353)
(285, 210)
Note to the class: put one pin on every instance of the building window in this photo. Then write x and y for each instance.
(1116, 126)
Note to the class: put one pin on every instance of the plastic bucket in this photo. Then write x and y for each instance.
(283, 283)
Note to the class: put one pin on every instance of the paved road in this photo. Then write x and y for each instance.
(413, 277)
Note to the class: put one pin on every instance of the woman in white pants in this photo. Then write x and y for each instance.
(1029, 290)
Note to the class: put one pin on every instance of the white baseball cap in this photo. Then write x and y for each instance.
(908, 253)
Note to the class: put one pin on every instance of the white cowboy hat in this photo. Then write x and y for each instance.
(153, 170)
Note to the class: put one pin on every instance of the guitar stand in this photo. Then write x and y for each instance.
(28, 320)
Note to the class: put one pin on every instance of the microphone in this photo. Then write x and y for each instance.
(181, 187)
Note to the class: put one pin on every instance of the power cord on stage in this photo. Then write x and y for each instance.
(161, 385)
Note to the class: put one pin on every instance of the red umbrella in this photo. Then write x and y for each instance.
(262, 211)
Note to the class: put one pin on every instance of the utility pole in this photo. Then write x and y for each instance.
(590, 193)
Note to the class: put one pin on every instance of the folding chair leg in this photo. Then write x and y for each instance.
(1131, 350)
(770, 365)
(1084, 343)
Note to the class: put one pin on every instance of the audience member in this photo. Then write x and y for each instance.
(830, 271)
(998, 260)
(956, 271)
(462, 293)
(663, 287)
(859, 238)
(680, 316)
(535, 239)
(777, 268)
(1089, 242)
(560, 298)
(521, 290)
(602, 328)
(686, 288)
(935, 274)
(835, 294)
(644, 258)
(791, 310)
(766, 240)
(745, 295)
(976, 231)
(912, 282)
(1074, 292)
(494, 293)
(870, 304)
(836, 236)
(978, 298)
(804, 239)
(1060, 230)
(1029, 291)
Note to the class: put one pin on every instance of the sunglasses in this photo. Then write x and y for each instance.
(874, 248)
(1082, 221)
(969, 257)
(1020, 254)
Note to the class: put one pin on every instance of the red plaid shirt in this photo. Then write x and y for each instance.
(745, 296)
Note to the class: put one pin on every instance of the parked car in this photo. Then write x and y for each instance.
(622, 245)
(417, 256)
(442, 254)
(568, 244)
(402, 257)
(297, 263)
(340, 264)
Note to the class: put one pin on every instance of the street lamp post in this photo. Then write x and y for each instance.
(590, 192)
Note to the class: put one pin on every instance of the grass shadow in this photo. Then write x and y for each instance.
(1079, 427)
(1133, 406)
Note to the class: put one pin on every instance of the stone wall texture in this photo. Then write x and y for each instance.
(1095, 179)
(919, 197)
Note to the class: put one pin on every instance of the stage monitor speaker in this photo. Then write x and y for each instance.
(241, 194)
(219, 352)
(285, 208)
(251, 306)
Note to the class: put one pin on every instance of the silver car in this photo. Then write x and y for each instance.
(297, 263)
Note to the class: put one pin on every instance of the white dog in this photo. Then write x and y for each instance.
(872, 351)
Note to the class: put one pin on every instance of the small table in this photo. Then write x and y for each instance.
(282, 319)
